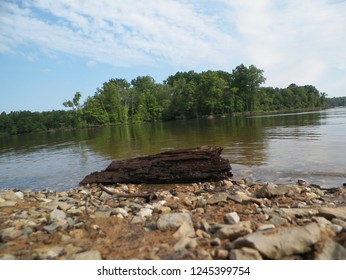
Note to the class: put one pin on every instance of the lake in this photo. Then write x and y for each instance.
(274, 147)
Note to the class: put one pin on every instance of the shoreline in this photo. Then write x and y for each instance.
(215, 220)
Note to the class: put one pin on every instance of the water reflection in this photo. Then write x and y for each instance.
(274, 147)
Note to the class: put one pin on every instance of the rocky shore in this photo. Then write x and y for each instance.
(240, 220)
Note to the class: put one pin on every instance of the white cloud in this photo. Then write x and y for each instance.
(119, 32)
(293, 41)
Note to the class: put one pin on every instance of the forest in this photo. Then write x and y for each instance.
(185, 95)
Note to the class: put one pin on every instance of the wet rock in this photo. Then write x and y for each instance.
(331, 251)
(245, 254)
(218, 197)
(234, 231)
(282, 242)
(231, 218)
(330, 213)
(88, 255)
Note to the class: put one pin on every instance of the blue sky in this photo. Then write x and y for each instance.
(49, 49)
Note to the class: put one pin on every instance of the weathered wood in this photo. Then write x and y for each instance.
(176, 166)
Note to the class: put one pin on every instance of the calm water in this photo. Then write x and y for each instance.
(279, 148)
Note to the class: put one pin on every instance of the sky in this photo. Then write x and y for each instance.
(50, 49)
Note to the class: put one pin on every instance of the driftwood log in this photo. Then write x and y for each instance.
(177, 166)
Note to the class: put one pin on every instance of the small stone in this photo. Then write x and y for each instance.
(330, 213)
(57, 214)
(265, 227)
(88, 255)
(340, 223)
(102, 212)
(227, 184)
(185, 243)
(7, 257)
(277, 220)
(75, 212)
(77, 233)
(173, 220)
(332, 251)
(121, 211)
(234, 231)
(220, 254)
(202, 234)
(49, 253)
(9, 195)
(19, 195)
(9, 234)
(52, 227)
(231, 218)
(144, 212)
(302, 182)
(204, 255)
(137, 220)
(285, 241)
(199, 211)
(185, 230)
(245, 253)
(215, 242)
(165, 210)
(335, 228)
(218, 197)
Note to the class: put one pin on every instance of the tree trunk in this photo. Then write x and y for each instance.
(176, 166)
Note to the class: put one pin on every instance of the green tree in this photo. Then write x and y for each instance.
(247, 80)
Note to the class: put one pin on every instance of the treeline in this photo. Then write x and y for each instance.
(184, 95)
(336, 101)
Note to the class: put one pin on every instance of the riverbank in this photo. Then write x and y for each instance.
(219, 220)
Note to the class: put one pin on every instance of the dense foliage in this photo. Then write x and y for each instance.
(183, 95)
(336, 101)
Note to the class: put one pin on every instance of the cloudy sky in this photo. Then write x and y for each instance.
(49, 49)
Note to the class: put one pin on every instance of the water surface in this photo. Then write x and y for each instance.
(275, 147)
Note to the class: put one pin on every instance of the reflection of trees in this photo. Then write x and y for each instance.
(242, 138)
(245, 140)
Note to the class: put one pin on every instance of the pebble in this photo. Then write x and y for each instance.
(198, 224)
(218, 197)
(88, 255)
(231, 218)
(185, 243)
(265, 227)
(9, 234)
(245, 253)
(57, 214)
(232, 232)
